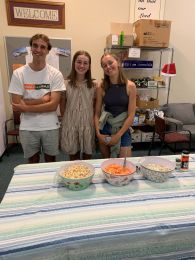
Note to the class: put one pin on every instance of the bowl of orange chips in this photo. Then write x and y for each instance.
(115, 173)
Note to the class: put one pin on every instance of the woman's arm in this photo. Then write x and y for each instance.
(95, 96)
(131, 90)
(62, 103)
(98, 108)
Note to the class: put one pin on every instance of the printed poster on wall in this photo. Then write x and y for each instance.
(147, 9)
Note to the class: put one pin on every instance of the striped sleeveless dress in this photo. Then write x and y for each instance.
(78, 131)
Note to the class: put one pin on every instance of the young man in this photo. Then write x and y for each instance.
(36, 89)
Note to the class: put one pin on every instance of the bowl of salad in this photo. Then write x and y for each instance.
(115, 173)
(157, 169)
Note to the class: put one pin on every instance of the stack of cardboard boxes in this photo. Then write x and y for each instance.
(143, 33)
(143, 136)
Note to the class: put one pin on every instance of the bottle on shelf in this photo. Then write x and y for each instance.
(121, 38)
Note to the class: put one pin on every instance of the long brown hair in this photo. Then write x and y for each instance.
(73, 73)
(121, 77)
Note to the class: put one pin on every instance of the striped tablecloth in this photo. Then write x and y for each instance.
(40, 219)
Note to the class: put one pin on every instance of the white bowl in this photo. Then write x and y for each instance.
(157, 169)
(78, 183)
(118, 179)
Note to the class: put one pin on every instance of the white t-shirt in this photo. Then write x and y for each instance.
(32, 84)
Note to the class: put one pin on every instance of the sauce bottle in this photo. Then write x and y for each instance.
(184, 160)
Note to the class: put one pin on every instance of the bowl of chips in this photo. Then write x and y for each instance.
(115, 173)
(157, 169)
(76, 176)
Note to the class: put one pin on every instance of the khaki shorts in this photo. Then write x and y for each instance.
(40, 141)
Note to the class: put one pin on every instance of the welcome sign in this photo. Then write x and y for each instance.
(36, 13)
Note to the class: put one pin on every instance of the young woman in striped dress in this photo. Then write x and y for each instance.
(77, 109)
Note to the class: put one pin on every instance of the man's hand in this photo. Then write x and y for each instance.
(46, 98)
(21, 107)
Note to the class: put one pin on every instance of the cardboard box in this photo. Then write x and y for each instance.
(152, 33)
(147, 137)
(147, 104)
(117, 28)
(152, 84)
(150, 122)
(113, 39)
(136, 136)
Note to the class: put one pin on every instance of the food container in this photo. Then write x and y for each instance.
(115, 178)
(157, 169)
(77, 175)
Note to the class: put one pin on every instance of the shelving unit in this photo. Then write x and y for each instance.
(159, 57)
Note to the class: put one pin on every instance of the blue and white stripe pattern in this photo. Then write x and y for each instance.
(41, 219)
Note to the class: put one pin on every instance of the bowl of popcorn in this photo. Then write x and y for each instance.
(157, 169)
(77, 175)
(115, 173)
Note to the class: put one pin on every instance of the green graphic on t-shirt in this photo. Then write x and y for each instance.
(42, 86)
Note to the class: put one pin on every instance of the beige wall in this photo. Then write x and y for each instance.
(88, 23)
(181, 13)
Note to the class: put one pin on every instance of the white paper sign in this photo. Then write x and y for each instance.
(51, 58)
(134, 53)
(146, 9)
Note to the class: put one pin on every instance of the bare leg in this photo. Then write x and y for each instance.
(75, 156)
(125, 151)
(86, 156)
(105, 150)
(49, 158)
(35, 158)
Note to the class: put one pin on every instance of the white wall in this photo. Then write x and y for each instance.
(88, 24)
(181, 13)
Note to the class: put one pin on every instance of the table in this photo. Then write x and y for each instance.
(41, 219)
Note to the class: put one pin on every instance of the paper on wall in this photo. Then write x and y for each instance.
(52, 58)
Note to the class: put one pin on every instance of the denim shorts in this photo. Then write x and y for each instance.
(125, 138)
